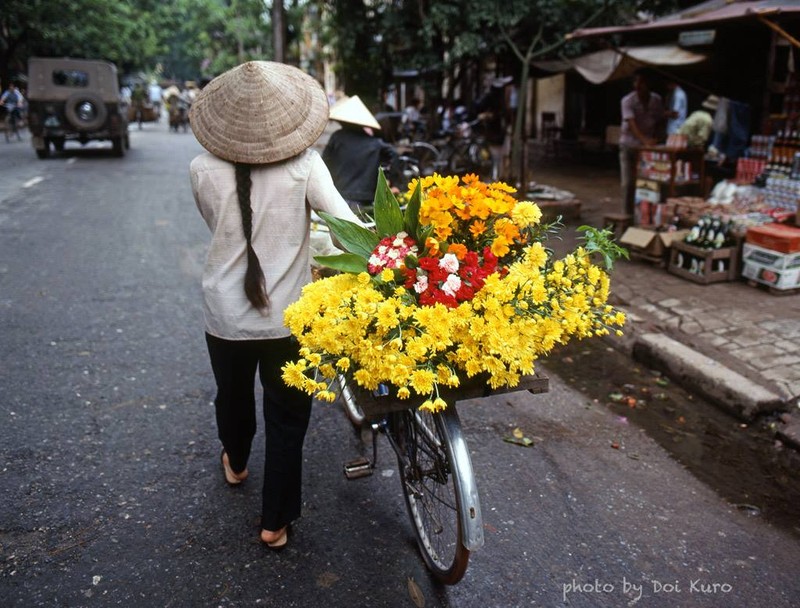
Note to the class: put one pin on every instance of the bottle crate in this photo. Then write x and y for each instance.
(704, 266)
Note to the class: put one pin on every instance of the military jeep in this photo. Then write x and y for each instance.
(75, 99)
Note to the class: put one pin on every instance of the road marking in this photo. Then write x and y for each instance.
(71, 160)
(32, 182)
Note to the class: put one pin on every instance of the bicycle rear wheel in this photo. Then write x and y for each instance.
(430, 476)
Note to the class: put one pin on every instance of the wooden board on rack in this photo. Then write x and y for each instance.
(375, 407)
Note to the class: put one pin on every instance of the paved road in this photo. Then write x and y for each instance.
(110, 492)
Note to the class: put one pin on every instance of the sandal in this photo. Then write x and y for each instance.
(232, 478)
(279, 543)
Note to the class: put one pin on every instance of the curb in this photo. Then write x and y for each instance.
(728, 389)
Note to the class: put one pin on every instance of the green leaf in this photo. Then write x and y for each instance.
(344, 262)
(411, 217)
(352, 237)
(388, 217)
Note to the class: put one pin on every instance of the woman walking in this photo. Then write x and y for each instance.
(255, 188)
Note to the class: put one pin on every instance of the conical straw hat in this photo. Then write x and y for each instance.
(259, 112)
(352, 110)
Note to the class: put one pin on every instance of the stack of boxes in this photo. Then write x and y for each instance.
(771, 256)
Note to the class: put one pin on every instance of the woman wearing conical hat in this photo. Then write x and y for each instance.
(255, 187)
(354, 153)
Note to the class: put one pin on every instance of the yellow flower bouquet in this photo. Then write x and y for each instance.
(458, 285)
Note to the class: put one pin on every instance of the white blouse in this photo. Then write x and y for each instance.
(282, 197)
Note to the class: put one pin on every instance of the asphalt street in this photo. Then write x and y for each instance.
(110, 488)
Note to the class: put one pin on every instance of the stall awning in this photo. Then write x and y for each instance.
(702, 15)
(613, 64)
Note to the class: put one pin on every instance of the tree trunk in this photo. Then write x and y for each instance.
(518, 170)
(278, 29)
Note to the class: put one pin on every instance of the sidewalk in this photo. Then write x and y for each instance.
(736, 344)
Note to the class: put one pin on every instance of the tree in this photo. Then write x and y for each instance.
(77, 28)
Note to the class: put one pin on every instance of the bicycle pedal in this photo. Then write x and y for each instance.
(355, 469)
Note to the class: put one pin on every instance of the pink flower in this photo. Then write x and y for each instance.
(391, 252)
(449, 263)
(452, 285)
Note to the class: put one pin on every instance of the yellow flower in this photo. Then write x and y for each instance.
(526, 214)
(377, 331)
(387, 275)
(422, 381)
(433, 406)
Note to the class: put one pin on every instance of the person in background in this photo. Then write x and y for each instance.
(256, 187)
(699, 125)
(412, 119)
(138, 99)
(676, 107)
(354, 153)
(642, 113)
(155, 94)
(13, 103)
(493, 112)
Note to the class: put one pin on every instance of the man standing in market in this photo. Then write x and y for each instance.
(642, 115)
(676, 107)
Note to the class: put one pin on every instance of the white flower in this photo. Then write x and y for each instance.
(449, 262)
(382, 249)
(393, 254)
(375, 260)
(452, 285)
(421, 284)
(398, 239)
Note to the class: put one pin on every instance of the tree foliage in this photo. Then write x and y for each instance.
(370, 39)
(181, 38)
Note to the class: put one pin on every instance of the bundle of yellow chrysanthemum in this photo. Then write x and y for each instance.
(458, 285)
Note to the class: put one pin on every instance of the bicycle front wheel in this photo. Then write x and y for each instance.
(431, 476)
(354, 412)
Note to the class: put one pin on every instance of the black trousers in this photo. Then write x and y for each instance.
(286, 414)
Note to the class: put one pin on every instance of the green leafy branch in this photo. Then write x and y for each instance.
(600, 241)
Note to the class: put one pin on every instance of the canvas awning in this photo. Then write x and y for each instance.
(702, 15)
(613, 64)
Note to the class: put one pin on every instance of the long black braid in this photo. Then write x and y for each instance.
(255, 285)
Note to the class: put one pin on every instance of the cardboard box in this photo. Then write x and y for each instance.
(768, 258)
(784, 279)
(649, 242)
(778, 237)
(704, 266)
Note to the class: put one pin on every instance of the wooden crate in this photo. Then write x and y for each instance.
(375, 407)
(708, 263)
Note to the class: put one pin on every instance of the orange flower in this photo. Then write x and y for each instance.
(500, 247)
(457, 249)
(477, 228)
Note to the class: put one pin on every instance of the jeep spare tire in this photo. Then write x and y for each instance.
(85, 111)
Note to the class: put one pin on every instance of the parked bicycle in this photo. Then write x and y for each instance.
(467, 150)
(458, 151)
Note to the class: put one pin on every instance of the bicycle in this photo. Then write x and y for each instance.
(436, 473)
(415, 160)
(469, 152)
(12, 124)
